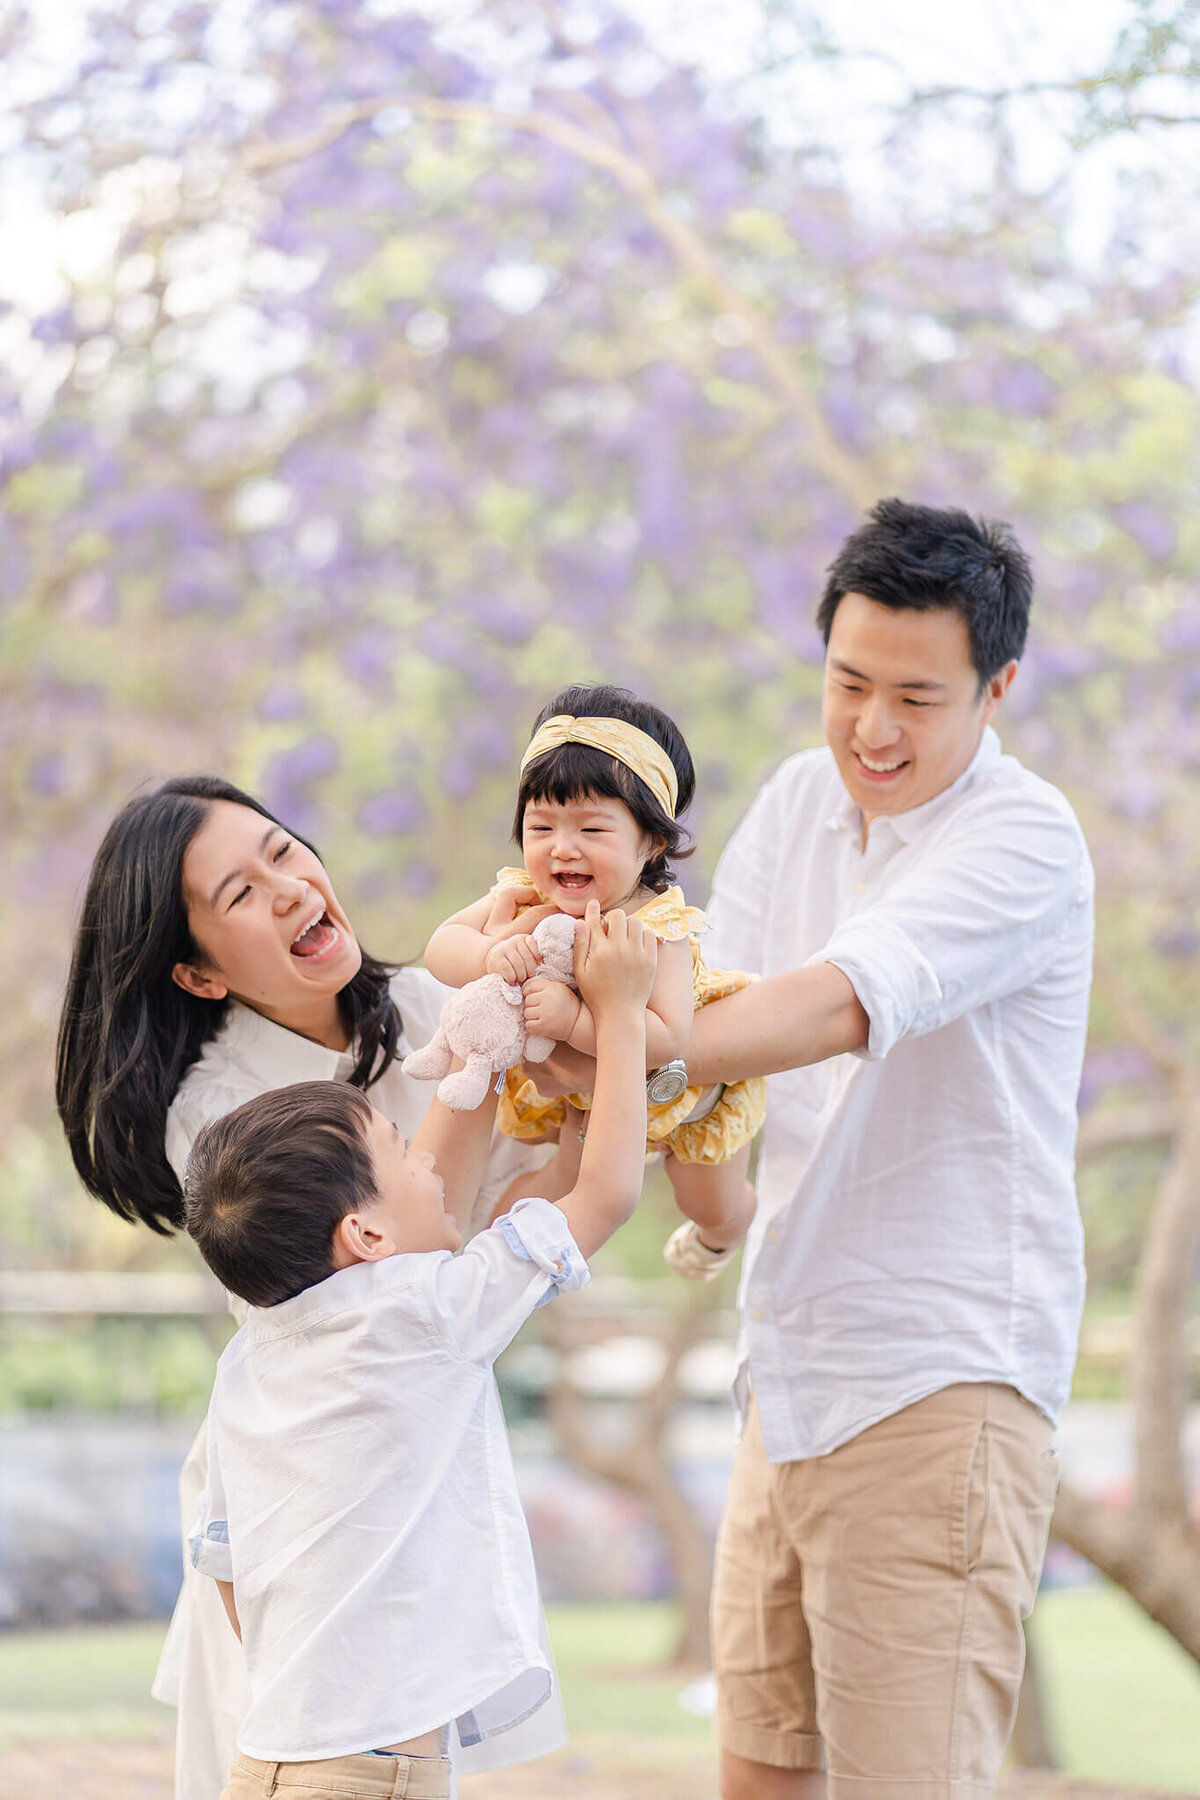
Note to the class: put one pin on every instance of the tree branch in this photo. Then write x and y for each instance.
(850, 476)
(1159, 1368)
(1140, 1122)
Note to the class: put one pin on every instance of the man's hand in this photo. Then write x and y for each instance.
(514, 958)
(616, 959)
(511, 915)
(550, 1009)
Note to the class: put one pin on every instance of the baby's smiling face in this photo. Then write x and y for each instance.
(589, 848)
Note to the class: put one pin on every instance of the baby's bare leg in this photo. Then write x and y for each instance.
(717, 1196)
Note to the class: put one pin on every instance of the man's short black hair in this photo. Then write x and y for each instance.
(267, 1185)
(927, 557)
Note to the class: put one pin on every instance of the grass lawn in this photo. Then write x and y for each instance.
(1122, 1698)
(1124, 1701)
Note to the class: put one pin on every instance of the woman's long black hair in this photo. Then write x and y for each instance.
(128, 1033)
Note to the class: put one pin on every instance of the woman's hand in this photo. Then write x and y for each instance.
(514, 958)
(510, 914)
(550, 1010)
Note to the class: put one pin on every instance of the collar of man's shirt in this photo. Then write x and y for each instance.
(909, 825)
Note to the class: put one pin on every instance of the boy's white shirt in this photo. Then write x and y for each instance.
(202, 1671)
(362, 1500)
(917, 1222)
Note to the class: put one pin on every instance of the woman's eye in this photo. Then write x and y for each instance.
(909, 702)
(283, 849)
(239, 897)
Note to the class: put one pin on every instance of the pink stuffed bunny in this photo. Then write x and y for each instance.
(484, 1024)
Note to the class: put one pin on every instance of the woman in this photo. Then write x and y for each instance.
(213, 962)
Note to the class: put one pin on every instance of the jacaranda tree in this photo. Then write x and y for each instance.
(392, 375)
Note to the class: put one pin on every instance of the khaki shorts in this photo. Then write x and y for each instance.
(867, 1605)
(341, 1778)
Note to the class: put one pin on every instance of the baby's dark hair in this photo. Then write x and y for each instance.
(267, 1185)
(572, 771)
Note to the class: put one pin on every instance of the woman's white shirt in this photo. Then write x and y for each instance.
(251, 1055)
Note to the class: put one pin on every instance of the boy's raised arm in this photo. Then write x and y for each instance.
(615, 963)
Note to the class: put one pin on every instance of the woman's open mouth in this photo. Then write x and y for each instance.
(317, 939)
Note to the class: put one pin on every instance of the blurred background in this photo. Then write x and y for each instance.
(371, 370)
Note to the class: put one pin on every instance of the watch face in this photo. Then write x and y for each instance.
(666, 1084)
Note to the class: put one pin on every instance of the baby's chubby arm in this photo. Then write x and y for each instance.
(489, 937)
(553, 1011)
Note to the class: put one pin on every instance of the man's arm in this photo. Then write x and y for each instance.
(786, 1022)
(802, 1016)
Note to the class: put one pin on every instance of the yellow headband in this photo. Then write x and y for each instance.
(638, 751)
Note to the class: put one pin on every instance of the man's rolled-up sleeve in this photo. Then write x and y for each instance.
(981, 917)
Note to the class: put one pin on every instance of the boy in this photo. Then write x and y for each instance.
(361, 1516)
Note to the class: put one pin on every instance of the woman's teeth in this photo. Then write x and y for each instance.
(320, 936)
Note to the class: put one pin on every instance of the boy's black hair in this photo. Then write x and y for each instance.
(927, 557)
(572, 771)
(267, 1185)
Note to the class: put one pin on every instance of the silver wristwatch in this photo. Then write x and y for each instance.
(666, 1084)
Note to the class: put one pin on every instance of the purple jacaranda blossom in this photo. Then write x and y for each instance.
(1180, 634)
(397, 813)
(1111, 1066)
(312, 759)
(281, 702)
(46, 775)
(1023, 388)
(1149, 526)
(458, 776)
(370, 657)
(418, 878)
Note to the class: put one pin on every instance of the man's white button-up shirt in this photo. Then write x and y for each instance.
(918, 1199)
(360, 1496)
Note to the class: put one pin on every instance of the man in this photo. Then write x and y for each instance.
(913, 1281)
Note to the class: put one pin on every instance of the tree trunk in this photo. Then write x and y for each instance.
(1151, 1548)
(1031, 1747)
(1157, 1563)
(640, 1465)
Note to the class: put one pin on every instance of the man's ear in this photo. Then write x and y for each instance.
(996, 688)
(194, 981)
(355, 1240)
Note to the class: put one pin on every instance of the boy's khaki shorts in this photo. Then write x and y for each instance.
(341, 1778)
(868, 1605)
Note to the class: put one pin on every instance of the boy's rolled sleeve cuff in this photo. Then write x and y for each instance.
(208, 1548)
(537, 1232)
(897, 987)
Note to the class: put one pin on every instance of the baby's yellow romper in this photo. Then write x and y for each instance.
(738, 1113)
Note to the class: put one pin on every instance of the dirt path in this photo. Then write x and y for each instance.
(606, 1768)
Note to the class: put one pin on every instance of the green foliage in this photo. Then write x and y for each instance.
(157, 1366)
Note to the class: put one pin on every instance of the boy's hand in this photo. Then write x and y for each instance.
(514, 958)
(616, 959)
(550, 1009)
